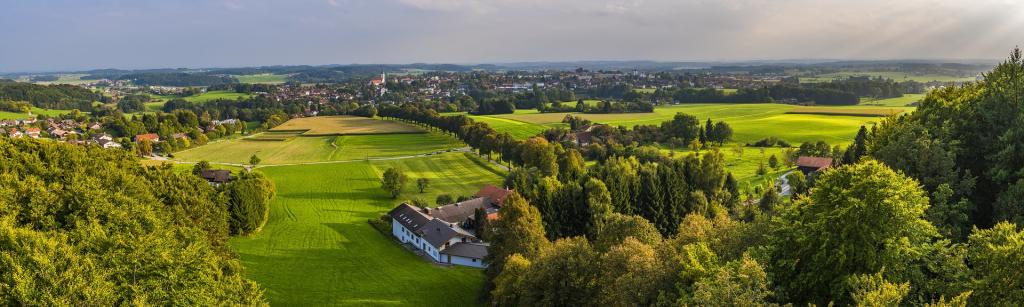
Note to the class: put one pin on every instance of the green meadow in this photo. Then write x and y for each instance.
(35, 111)
(894, 75)
(286, 149)
(158, 101)
(318, 249)
(906, 100)
(750, 122)
(262, 78)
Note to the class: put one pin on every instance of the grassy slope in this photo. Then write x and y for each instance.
(345, 124)
(262, 78)
(317, 248)
(895, 76)
(158, 101)
(316, 149)
(750, 122)
(35, 111)
(893, 102)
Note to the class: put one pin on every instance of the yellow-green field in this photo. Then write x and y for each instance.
(904, 101)
(262, 78)
(872, 112)
(345, 125)
(305, 149)
(750, 122)
(35, 111)
(894, 75)
(158, 101)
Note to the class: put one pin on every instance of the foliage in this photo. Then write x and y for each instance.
(857, 219)
(422, 184)
(393, 181)
(250, 204)
(70, 234)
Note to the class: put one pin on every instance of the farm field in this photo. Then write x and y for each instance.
(317, 248)
(35, 111)
(158, 101)
(343, 124)
(871, 112)
(518, 129)
(285, 148)
(906, 100)
(750, 122)
(262, 78)
(894, 75)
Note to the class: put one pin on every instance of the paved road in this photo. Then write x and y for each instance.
(784, 188)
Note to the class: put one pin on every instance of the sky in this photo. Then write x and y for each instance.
(49, 35)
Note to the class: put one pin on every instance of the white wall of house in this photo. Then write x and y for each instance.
(476, 263)
(400, 232)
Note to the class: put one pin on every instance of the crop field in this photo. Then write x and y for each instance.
(158, 101)
(750, 122)
(904, 101)
(285, 148)
(345, 125)
(894, 75)
(518, 129)
(262, 78)
(317, 248)
(35, 111)
(875, 112)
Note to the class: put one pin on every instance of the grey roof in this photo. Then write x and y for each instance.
(437, 232)
(459, 212)
(217, 175)
(467, 249)
(410, 217)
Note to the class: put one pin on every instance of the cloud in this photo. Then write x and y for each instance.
(266, 32)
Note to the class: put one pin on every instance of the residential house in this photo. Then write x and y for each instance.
(152, 137)
(33, 132)
(812, 165)
(444, 233)
(217, 177)
(14, 133)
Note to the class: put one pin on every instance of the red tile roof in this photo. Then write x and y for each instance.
(496, 194)
(813, 162)
(147, 137)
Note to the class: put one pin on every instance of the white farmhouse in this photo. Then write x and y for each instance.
(443, 241)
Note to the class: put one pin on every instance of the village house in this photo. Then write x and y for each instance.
(33, 132)
(14, 133)
(152, 137)
(217, 177)
(444, 233)
(812, 165)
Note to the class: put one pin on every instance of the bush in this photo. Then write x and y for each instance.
(382, 224)
(249, 204)
(771, 141)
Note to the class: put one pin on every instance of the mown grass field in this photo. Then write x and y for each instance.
(871, 112)
(345, 125)
(35, 111)
(894, 75)
(283, 149)
(904, 101)
(158, 101)
(317, 248)
(262, 78)
(750, 122)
